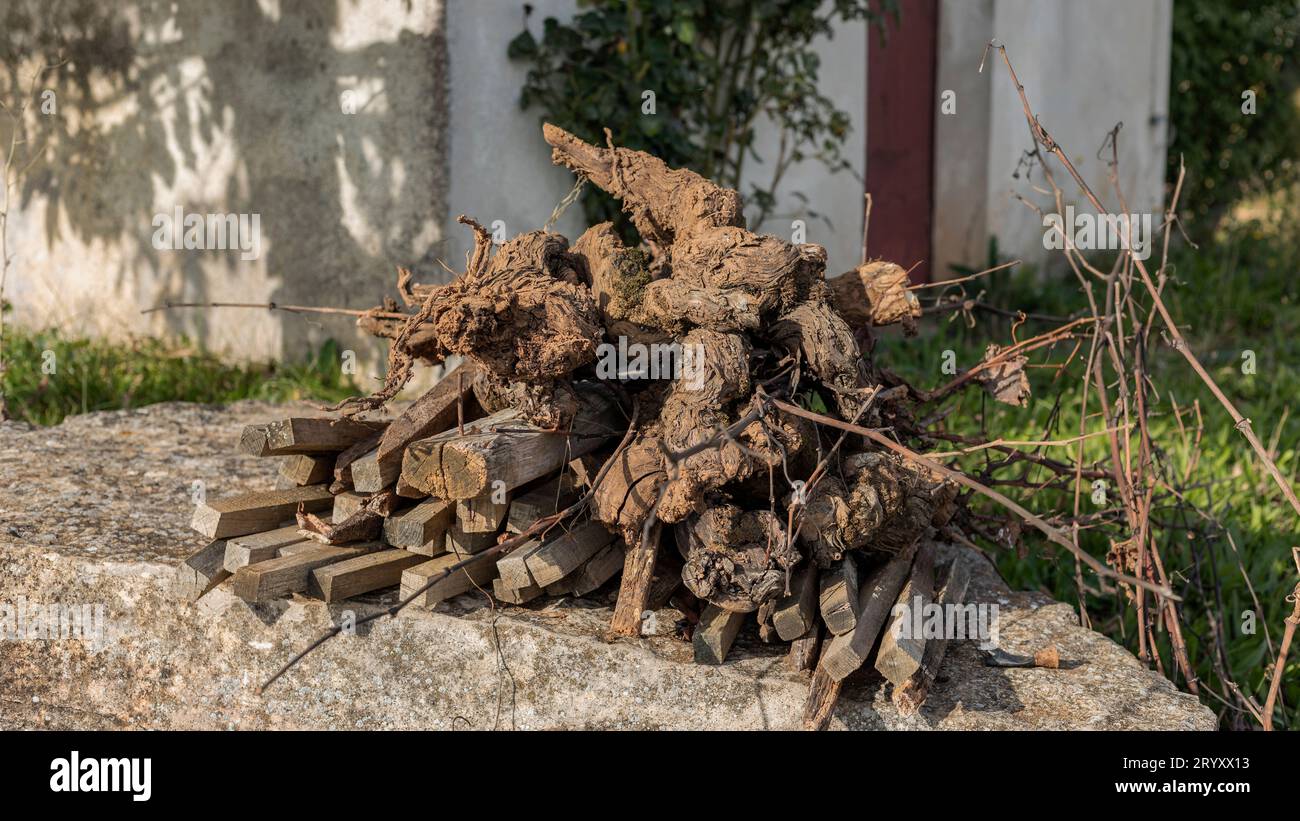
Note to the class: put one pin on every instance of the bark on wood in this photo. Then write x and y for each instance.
(634, 588)
(823, 694)
(736, 559)
(664, 203)
(805, 650)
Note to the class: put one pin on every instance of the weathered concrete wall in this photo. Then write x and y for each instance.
(326, 119)
(356, 130)
(1085, 67)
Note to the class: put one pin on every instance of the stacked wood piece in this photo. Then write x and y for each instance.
(636, 412)
(403, 501)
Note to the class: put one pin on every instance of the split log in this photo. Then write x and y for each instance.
(344, 461)
(311, 435)
(715, 634)
(347, 504)
(201, 571)
(421, 529)
(560, 556)
(257, 511)
(362, 574)
(258, 547)
(911, 695)
(434, 412)
(276, 578)
(902, 647)
(848, 652)
(839, 601)
(503, 452)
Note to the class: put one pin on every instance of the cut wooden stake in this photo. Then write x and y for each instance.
(715, 634)
(276, 578)
(258, 547)
(805, 649)
(795, 614)
(560, 556)
(634, 587)
(909, 697)
(544, 500)
(598, 569)
(513, 567)
(482, 514)
(432, 413)
(846, 653)
(839, 596)
(461, 581)
(423, 528)
(203, 570)
(258, 511)
(303, 470)
(458, 541)
(512, 595)
(286, 437)
(903, 644)
(362, 574)
(346, 505)
(501, 448)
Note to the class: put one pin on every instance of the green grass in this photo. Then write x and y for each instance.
(50, 376)
(1238, 294)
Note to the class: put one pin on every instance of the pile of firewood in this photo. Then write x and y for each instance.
(747, 482)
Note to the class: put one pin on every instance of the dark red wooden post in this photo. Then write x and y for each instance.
(900, 136)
